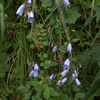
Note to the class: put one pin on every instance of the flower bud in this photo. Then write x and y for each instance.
(69, 47)
(54, 48)
(77, 82)
(31, 17)
(36, 67)
(51, 77)
(64, 80)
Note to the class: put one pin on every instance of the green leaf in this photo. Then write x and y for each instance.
(72, 16)
(75, 88)
(31, 46)
(45, 55)
(46, 3)
(41, 64)
(43, 30)
(97, 9)
(38, 88)
(52, 64)
(65, 97)
(46, 93)
(45, 43)
(33, 83)
(54, 93)
(46, 62)
(44, 87)
(21, 88)
(75, 40)
(79, 96)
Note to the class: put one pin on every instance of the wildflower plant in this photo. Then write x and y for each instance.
(42, 78)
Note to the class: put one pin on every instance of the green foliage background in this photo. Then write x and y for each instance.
(23, 43)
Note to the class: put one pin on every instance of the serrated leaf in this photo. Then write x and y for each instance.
(54, 93)
(46, 93)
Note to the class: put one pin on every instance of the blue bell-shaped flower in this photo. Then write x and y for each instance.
(31, 74)
(66, 2)
(77, 82)
(20, 10)
(66, 63)
(51, 77)
(73, 76)
(69, 47)
(36, 67)
(54, 48)
(35, 74)
(64, 80)
(63, 73)
(58, 83)
(29, 2)
(31, 17)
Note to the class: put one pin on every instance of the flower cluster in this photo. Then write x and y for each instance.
(21, 10)
(66, 67)
(35, 72)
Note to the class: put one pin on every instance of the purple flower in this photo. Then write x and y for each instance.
(58, 7)
(54, 48)
(66, 2)
(66, 64)
(20, 10)
(63, 73)
(36, 74)
(69, 47)
(64, 80)
(77, 82)
(36, 67)
(29, 2)
(58, 83)
(73, 76)
(31, 74)
(31, 17)
(51, 77)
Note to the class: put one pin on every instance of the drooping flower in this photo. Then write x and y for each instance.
(35, 74)
(58, 83)
(73, 76)
(20, 10)
(36, 67)
(64, 80)
(77, 82)
(54, 48)
(29, 2)
(31, 17)
(66, 63)
(63, 73)
(51, 77)
(66, 2)
(31, 74)
(76, 73)
(69, 47)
